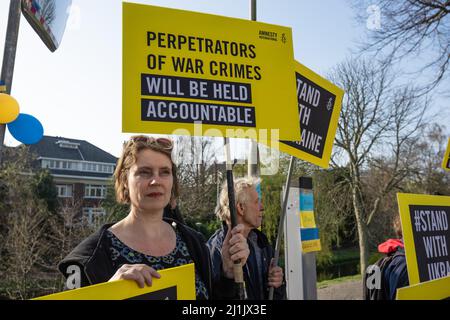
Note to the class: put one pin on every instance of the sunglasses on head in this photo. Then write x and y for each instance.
(162, 142)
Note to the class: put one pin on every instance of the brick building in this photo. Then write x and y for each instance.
(80, 170)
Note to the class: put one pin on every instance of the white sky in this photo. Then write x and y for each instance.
(76, 92)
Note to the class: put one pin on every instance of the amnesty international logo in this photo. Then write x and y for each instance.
(268, 35)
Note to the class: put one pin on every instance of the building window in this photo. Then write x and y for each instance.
(95, 191)
(67, 144)
(91, 215)
(64, 190)
(77, 166)
(46, 164)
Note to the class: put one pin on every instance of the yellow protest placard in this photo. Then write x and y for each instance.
(235, 77)
(438, 289)
(175, 284)
(319, 103)
(426, 235)
(446, 160)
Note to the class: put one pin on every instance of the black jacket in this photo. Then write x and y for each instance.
(92, 256)
(253, 289)
(395, 276)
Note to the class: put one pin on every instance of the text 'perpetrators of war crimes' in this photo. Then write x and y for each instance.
(315, 106)
(431, 238)
(215, 68)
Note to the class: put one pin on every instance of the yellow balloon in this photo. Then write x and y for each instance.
(9, 108)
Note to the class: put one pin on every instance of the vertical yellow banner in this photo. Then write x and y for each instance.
(446, 160)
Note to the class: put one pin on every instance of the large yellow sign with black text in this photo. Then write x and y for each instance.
(426, 235)
(319, 104)
(182, 68)
(446, 161)
(175, 284)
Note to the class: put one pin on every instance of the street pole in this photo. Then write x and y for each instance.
(253, 156)
(282, 216)
(9, 56)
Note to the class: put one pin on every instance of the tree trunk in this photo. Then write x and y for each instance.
(362, 231)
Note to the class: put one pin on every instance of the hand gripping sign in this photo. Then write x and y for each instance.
(175, 284)
(230, 75)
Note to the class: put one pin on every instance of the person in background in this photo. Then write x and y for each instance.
(392, 267)
(259, 272)
(396, 274)
(144, 242)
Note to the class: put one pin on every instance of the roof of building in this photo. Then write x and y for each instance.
(70, 149)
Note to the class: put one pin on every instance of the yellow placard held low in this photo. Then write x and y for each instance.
(319, 103)
(426, 235)
(446, 160)
(191, 73)
(438, 289)
(175, 284)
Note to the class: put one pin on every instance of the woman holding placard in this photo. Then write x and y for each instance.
(144, 242)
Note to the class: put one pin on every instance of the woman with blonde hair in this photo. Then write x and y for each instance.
(144, 242)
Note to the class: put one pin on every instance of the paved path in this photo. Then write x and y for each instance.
(348, 290)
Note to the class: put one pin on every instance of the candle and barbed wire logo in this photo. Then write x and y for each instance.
(330, 104)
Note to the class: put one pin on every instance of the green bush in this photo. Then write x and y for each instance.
(374, 257)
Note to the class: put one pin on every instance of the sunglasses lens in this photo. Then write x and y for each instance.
(163, 142)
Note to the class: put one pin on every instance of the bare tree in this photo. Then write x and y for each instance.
(24, 229)
(409, 28)
(198, 176)
(65, 233)
(379, 125)
(431, 178)
(33, 237)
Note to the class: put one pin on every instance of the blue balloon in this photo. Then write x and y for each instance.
(26, 128)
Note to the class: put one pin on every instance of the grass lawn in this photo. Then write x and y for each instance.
(327, 283)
